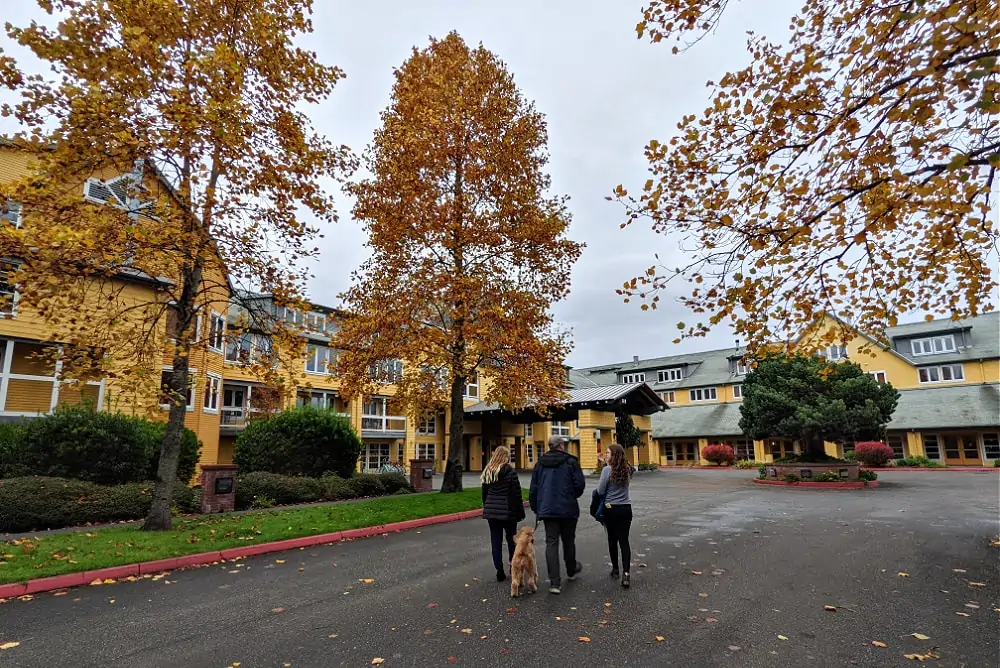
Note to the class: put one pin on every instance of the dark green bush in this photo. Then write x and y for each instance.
(367, 484)
(336, 488)
(37, 502)
(303, 441)
(279, 489)
(393, 482)
(867, 475)
(827, 476)
(849, 456)
(97, 446)
(11, 460)
(918, 462)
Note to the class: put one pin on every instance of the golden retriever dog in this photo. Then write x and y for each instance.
(523, 569)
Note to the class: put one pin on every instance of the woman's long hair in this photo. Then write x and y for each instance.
(621, 470)
(500, 457)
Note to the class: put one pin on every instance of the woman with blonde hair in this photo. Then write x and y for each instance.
(613, 488)
(503, 506)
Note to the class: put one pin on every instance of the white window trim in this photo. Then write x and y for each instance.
(742, 368)
(15, 298)
(704, 391)
(7, 361)
(560, 429)
(635, 377)
(193, 375)
(930, 340)
(671, 397)
(16, 206)
(470, 384)
(665, 375)
(426, 447)
(210, 377)
(884, 375)
(840, 350)
(222, 334)
(422, 427)
(941, 375)
(738, 391)
(529, 430)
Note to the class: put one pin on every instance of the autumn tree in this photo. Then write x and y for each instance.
(812, 400)
(195, 109)
(469, 249)
(847, 171)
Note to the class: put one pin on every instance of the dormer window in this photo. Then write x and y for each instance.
(120, 192)
(629, 378)
(934, 345)
(741, 368)
(10, 213)
(836, 352)
(669, 375)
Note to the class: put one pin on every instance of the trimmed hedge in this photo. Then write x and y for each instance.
(303, 441)
(38, 502)
(367, 484)
(264, 490)
(93, 446)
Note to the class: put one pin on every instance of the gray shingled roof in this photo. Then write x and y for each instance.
(984, 331)
(958, 406)
(704, 369)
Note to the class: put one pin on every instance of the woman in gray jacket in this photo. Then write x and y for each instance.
(613, 488)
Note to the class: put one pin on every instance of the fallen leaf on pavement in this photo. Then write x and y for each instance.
(958, 570)
(279, 561)
(782, 638)
(333, 635)
(974, 606)
(112, 601)
(659, 638)
(903, 575)
(467, 631)
(920, 636)
(377, 660)
(703, 595)
(60, 593)
(453, 621)
(878, 643)
(977, 584)
(583, 639)
(734, 648)
(711, 620)
(830, 608)
(276, 610)
(432, 605)
(302, 570)
(482, 637)
(428, 632)
(506, 650)
(695, 572)
(9, 645)
(607, 605)
(560, 619)
(452, 659)
(367, 581)
(922, 657)
(511, 611)
(96, 583)
(962, 614)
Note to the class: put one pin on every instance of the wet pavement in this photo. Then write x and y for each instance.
(726, 573)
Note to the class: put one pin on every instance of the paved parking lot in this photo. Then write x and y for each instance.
(727, 574)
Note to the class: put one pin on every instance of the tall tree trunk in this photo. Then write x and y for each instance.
(456, 441)
(159, 517)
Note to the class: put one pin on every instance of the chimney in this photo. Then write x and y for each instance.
(635, 360)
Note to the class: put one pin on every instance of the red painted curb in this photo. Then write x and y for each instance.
(62, 581)
(951, 469)
(859, 484)
(13, 590)
(148, 567)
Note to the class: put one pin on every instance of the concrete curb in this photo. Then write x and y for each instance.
(40, 585)
(852, 484)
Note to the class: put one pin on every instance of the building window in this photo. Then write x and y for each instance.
(630, 378)
(932, 447)
(318, 359)
(668, 375)
(948, 373)
(738, 391)
(529, 452)
(213, 386)
(837, 352)
(560, 429)
(879, 375)
(248, 347)
(387, 371)
(10, 213)
(8, 295)
(991, 445)
(216, 332)
(669, 396)
(895, 441)
(741, 368)
(934, 345)
(428, 426)
(704, 394)
(472, 386)
(166, 397)
(744, 450)
(316, 322)
(427, 451)
(529, 430)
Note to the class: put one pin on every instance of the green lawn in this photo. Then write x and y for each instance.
(89, 550)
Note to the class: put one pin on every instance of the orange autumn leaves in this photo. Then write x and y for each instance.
(469, 247)
(846, 172)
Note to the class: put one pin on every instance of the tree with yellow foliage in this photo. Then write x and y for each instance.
(194, 109)
(849, 171)
(469, 249)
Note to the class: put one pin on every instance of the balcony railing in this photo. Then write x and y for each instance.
(384, 423)
(233, 417)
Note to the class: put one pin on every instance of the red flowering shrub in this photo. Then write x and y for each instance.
(872, 453)
(719, 454)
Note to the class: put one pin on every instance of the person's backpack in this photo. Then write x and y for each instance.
(597, 506)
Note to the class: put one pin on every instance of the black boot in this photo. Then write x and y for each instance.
(614, 573)
(501, 576)
(625, 580)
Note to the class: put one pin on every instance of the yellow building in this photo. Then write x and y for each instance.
(947, 372)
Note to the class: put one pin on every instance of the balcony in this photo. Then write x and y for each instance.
(383, 426)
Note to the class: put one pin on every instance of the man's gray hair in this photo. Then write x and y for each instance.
(557, 441)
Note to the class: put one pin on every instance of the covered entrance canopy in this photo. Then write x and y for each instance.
(633, 398)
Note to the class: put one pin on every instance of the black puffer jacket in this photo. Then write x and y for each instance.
(502, 497)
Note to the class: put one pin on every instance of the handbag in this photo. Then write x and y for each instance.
(597, 505)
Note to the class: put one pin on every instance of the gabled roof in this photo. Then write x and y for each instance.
(982, 334)
(634, 398)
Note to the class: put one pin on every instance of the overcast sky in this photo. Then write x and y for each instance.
(605, 95)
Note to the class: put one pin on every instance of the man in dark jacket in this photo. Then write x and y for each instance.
(556, 484)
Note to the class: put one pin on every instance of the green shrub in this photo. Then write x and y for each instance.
(919, 462)
(868, 475)
(748, 464)
(11, 459)
(649, 467)
(762, 472)
(393, 482)
(303, 441)
(828, 476)
(336, 488)
(367, 484)
(38, 502)
(849, 456)
(996, 463)
(280, 489)
(791, 477)
(97, 446)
